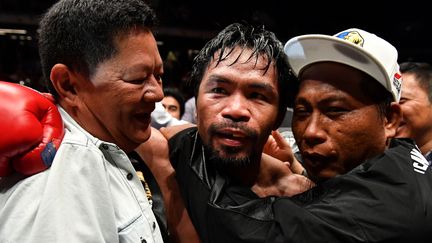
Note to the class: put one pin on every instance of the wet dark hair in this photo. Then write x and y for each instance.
(82, 33)
(262, 43)
(422, 72)
(178, 95)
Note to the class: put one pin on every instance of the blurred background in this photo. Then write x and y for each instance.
(186, 25)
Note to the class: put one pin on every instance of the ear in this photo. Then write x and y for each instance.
(392, 120)
(64, 81)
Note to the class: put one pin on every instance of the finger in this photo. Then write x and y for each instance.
(280, 140)
(269, 145)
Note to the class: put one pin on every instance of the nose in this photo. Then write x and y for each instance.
(314, 131)
(153, 91)
(236, 108)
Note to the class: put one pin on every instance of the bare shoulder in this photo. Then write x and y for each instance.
(169, 132)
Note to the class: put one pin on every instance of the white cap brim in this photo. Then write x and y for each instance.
(308, 49)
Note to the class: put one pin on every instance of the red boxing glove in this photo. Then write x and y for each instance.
(31, 130)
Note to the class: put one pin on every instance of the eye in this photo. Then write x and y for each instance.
(334, 111)
(172, 108)
(136, 81)
(301, 111)
(258, 96)
(218, 90)
(158, 77)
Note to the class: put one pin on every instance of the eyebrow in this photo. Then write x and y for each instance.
(255, 85)
(142, 67)
(325, 100)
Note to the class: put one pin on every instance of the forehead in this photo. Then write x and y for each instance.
(412, 88)
(170, 100)
(136, 52)
(409, 79)
(240, 55)
(137, 42)
(238, 65)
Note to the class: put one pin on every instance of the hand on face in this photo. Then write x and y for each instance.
(278, 147)
(277, 179)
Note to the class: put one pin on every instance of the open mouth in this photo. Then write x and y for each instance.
(233, 135)
(143, 117)
(232, 138)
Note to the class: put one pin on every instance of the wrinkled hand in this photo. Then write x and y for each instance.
(276, 179)
(278, 147)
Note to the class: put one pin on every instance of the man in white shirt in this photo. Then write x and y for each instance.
(102, 64)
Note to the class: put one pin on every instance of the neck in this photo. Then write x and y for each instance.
(425, 147)
(96, 128)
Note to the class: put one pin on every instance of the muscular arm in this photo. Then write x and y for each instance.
(155, 154)
(169, 132)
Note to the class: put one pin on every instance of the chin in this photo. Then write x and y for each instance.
(402, 135)
(402, 131)
(143, 135)
(228, 163)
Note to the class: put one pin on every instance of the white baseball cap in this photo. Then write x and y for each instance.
(353, 47)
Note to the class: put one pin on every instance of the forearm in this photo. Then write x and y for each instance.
(179, 223)
(155, 154)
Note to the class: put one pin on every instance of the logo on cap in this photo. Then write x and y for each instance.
(397, 82)
(352, 36)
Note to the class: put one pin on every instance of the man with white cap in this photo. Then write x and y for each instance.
(371, 187)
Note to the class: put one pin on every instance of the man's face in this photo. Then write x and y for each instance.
(237, 107)
(416, 111)
(117, 101)
(172, 106)
(335, 124)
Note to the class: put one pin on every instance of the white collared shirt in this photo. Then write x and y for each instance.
(90, 194)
